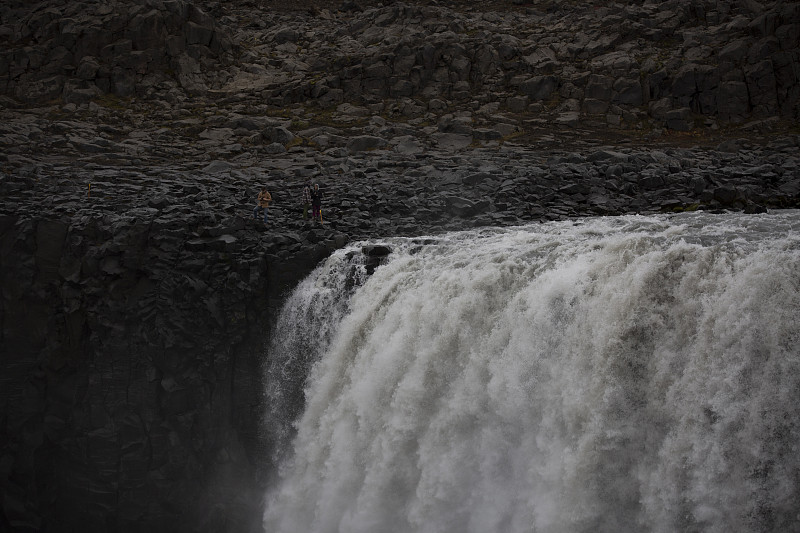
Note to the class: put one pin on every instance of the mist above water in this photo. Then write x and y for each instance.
(612, 374)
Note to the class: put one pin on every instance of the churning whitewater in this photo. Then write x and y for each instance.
(605, 375)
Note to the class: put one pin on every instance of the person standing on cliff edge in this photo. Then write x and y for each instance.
(316, 203)
(306, 199)
(263, 200)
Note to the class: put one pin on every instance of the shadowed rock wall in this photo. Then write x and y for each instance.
(130, 366)
(77, 51)
(673, 64)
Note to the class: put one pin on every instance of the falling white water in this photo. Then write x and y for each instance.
(622, 374)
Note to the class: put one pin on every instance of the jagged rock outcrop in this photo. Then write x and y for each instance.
(78, 51)
(625, 64)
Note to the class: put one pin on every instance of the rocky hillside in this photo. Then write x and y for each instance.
(137, 293)
(640, 67)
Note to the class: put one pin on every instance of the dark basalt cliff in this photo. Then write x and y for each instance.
(136, 291)
(133, 317)
(132, 349)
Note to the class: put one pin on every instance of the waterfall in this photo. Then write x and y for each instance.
(602, 375)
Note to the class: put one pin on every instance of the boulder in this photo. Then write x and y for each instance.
(592, 106)
(407, 144)
(733, 101)
(679, 119)
(364, 143)
(599, 88)
(279, 134)
(189, 74)
(762, 88)
(628, 91)
(658, 109)
(517, 104)
(539, 87)
(734, 52)
(80, 93)
(462, 207)
(42, 90)
(216, 167)
(88, 68)
(451, 141)
(147, 30)
(569, 119)
(197, 34)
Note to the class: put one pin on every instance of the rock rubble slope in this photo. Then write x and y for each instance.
(647, 67)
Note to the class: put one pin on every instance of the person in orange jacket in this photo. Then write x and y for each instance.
(264, 198)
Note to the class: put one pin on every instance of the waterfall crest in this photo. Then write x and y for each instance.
(612, 374)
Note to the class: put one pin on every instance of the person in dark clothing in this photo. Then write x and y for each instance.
(306, 199)
(316, 203)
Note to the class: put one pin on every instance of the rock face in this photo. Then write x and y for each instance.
(136, 291)
(80, 51)
(624, 64)
(131, 363)
(135, 303)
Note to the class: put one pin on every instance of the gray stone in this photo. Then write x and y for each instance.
(539, 87)
(279, 134)
(570, 119)
(658, 109)
(486, 134)
(197, 34)
(274, 148)
(189, 74)
(608, 155)
(216, 134)
(147, 31)
(286, 35)
(80, 95)
(599, 88)
(407, 144)
(734, 52)
(451, 141)
(628, 91)
(463, 207)
(726, 195)
(761, 87)
(43, 90)
(364, 143)
(592, 106)
(216, 167)
(679, 119)
(684, 85)
(88, 68)
(517, 104)
(651, 182)
(733, 102)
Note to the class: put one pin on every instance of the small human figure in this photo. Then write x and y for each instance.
(306, 199)
(316, 203)
(263, 200)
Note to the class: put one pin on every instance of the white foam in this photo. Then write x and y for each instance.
(617, 374)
